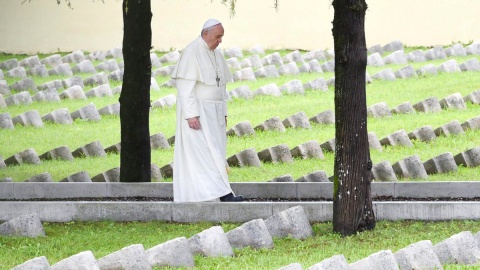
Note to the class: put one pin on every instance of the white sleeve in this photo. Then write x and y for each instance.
(225, 100)
(186, 97)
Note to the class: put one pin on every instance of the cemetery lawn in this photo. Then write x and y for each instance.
(256, 111)
(102, 238)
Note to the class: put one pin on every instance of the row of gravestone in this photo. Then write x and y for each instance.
(462, 248)
(89, 112)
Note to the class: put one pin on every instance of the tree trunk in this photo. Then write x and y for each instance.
(352, 202)
(135, 159)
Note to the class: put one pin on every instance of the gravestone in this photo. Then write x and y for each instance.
(393, 46)
(154, 85)
(234, 64)
(103, 90)
(410, 167)
(291, 222)
(245, 158)
(293, 87)
(451, 128)
(117, 90)
(336, 262)
(316, 84)
(4, 89)
(50, 95)
(112, 109)
(398, 138)
(17, 72)
(461, 248)
(241, 129)
(383, 172)
(162, 71)
(272, 59)
(74, 57)
(212, 242)
(419, 255)
(170, 57)
(245, 74)
(282, 179)
(115, 53)
(473, 124)
(473, 97)
(328, 66)
(242, 91)
(473, 48)
(252, 234)
(429, 105)
(404, 108)
(110, 176)
(30, 118)
(331, 81)
(167, 170)
(116, 75)
(379, 110)
(233, 52)
(255, 61)
(79, 177)
(469, 158)
(470, 65)
(55, 84)
(93, 149)
(397, 57)
(269, 71)
(113, 149)
(159, 141)
(330, 54)
(28, 225)
(257, 49)
(39, 71)
(293, 56)
(436, 52)
(310, 149)
(276, 154)
(40, 178)
(38, 263)
(97, 56)
(449, 66)
(73, 92)
(416, 56)
(22, 98)
(59, 116)
(3, 104)
(270, 89)
(428, 69)
(75, 80)
(316, 176)
(95, 80)
(377, 48)
(85, 258)
(374, 142)
(88, 112)
(453, 101)
(62, 152)
(386, 75)
(9, 64)
(329, 145)
(311, 66)
(52, 60)
(375, 59)
(2, 163)
(154, 60)
(423, 134)
(383, 259)
(443, 163)
(406, 72)
(23, 85)
(273, 123)
(130, 257)
(27, 156)
(288, 69)
(173, 253)
(458, 50)
(298, 120)
(6, 121)
(62, 69)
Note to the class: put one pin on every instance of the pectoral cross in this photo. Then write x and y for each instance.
(218, 81)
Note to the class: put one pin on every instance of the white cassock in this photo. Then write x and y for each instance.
(199, 162)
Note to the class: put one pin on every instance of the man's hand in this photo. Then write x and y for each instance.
(194, 123)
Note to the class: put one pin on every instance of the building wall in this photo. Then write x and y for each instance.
(42, 26)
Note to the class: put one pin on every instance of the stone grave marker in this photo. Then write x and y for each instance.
(30, 118)
(329, 145)
(23, 85)
(171, 57)
(316, 176)
(406, 72)
(393, 46)
(423, 134)
(173, 253)
(245, 158)
(269, 71)
(93, 149)
(159, 141)
(316, 84)
(272, 59)
(167, 170)
(310, 149)
(461, 248)
(85, 258)
(257, 49)
(233, 52)
(55, 84)
(397, 57)
(6, 121)
(336, 262)
(112, 109)
(398, 138)
(374, 142)
(469, 158)
(75, 80)
(419, 255)
(234, 64)
(103, 90)
(162, 71)
(385, 74)
(9, 64)
(242, 91)
(451, 128)
(28, 225)
(282, 179)
(416, 56)
(298, 120)
(61, 152)
(383, 259)
(41, 178)
(74, 57)
(473, 124)
(17, 72)
(88, 112)
(276, 154)
(428, 69)
(212, 242)
(453, 101)
(470, 65)
(288, 69)
(97, 79)
(318, 54)
(4, 89)
(62, 69)
(252, 234)
(243, 128)
(79, 177)
(270, 89)
(27, 156)
(473, 48)
(245, 74)
(379, 110)
(473, 97)
(52, 60)
(458, 50)
(449, 66)
(40, 71)
(59, 116)
(410, 167)
(290, 222)
(50, 95)
(328, 66)
(375, 59)
(38, 263)
(429, 105)
(383, 172)
(273, 123)
(404, 108)
(110, 176)
(293, 87)
(443, 163)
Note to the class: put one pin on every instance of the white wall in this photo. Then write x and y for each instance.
(43, 27)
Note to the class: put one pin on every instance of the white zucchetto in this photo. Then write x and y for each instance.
(210, 22)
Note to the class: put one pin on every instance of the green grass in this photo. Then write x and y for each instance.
(256, 111)
(102, 238)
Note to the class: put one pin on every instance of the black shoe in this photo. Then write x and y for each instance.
(231, 198)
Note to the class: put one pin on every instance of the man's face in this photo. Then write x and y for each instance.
(214, 37)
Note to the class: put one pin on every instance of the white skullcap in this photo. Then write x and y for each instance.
(210, 23)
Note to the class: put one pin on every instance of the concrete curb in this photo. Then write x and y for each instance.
(13, 202)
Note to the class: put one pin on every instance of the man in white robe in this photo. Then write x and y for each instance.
(199, 163)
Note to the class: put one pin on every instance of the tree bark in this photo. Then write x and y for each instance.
(135, 158)
(352, 203)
